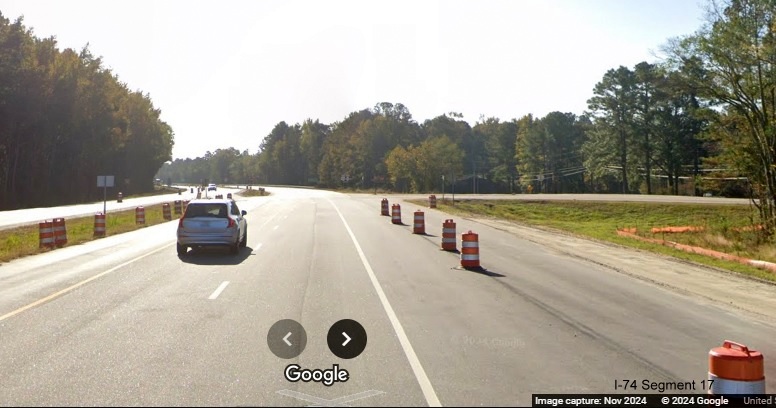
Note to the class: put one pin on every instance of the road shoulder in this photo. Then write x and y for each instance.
(723, 288)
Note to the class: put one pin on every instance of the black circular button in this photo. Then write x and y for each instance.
(346, 339)
(287, 338)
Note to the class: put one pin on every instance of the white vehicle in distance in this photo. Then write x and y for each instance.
(211, 187)
(212, 222)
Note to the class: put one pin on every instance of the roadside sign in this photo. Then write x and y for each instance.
(105, 181)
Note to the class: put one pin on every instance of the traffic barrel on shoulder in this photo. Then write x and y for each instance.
(448, 235)
(99, 225)
(140, 216)
(60, 232)
(396, 214)
(166, 213)
(736, 370)
(178, 207)
(384, 207)
(470, 250)
(46, 234)
(120, 197)
(419, 223)
(432, 201)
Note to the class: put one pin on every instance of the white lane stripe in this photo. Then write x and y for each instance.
(275, 227)
(218, 291)
(79, 284)
(258, 246)
(425, 384)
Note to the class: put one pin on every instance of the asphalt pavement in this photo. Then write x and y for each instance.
(124, 321)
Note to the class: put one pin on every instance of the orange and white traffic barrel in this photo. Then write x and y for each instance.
(99, 225)
(140, 216)
(396, 214)
(60, 232)
(46, 234)
(120, 198)
(470, 250)
(178, 207)
(735, 369)
(166, 211)
(432, 201)
(384, 207)
(448, 235)
(419, 223)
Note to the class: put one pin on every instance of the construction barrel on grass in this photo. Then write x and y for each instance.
(99, 225)
(46, 234)
(60, 232)
(140, 216)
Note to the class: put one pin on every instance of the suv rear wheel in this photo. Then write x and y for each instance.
(181, 249)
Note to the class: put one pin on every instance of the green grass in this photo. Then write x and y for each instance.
(24, 241)
(600, 220)
(253, 193)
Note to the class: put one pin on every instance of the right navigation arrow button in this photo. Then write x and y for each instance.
(355, 339)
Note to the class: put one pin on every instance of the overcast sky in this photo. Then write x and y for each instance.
(225, 72)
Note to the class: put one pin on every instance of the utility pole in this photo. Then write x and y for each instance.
(453, 188)
(474, 177)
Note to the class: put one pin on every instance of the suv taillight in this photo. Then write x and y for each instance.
(180, 222)
(232, 224)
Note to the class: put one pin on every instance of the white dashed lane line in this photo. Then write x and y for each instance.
(218, 291)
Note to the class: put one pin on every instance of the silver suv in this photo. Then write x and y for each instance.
(212, 222)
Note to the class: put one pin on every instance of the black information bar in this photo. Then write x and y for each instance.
(652, 400)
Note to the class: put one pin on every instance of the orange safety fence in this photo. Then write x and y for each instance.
(631, 233)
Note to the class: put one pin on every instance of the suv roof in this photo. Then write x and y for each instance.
(210, 201)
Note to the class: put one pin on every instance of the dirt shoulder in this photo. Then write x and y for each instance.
(725, 289)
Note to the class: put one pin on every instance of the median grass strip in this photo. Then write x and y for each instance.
(24, 241)
(724, 226)
(253, 193)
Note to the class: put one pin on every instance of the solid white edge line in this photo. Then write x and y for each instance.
(218, 290)
(79, 284)
(420, 374)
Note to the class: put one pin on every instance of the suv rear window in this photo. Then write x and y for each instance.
(207, 210)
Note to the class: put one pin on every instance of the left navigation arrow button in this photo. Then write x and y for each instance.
(287, 339)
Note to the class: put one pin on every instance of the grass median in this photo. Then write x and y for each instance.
(254, 193)
(24, 241)
(725, 228)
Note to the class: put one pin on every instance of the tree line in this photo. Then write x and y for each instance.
(700, 121)
(65, 119)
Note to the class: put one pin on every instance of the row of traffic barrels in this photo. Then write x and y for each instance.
(53, 233)
(470, 247)
(734, 369)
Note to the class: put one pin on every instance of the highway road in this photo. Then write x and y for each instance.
(15, 218)
(125, 321)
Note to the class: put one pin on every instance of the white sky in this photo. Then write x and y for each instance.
(224, 73)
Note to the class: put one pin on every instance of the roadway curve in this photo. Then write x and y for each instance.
(125, 321)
